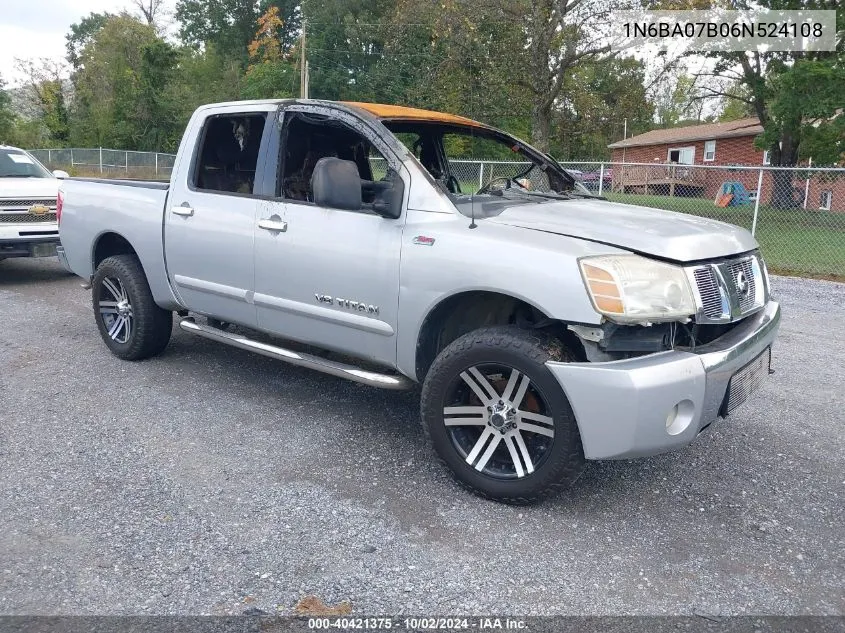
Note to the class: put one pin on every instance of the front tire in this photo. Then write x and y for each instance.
(133, 327)
(498, 418)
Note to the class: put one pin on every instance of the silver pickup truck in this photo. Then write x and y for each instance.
(547, 326)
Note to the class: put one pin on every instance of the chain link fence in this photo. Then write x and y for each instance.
(110, 163)
(797, 214)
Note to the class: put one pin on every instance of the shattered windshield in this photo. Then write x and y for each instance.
(475, 161)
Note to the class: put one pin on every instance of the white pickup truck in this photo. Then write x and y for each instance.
(546, 325)
(28, 192)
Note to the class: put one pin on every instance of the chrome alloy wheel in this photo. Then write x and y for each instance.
(499, 421)
(115, 309)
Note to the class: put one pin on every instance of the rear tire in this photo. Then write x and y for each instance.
(133, 327)
(498, 418)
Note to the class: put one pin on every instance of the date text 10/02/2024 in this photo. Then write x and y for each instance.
(419, 623)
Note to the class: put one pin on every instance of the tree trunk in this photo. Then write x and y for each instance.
(784, 154)
(783, 191)
(541, 126)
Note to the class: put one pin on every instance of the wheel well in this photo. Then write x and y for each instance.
(468, 311)
(110, 244)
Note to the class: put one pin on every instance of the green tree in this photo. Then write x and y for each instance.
(271, 72)
(81, 33)
(345, 47)
(8, 118)
(736, 106)
(123, 95)
(599, 97)
(681, 105)
(45, 85)
(808, 105)
(230, 24)
(156, 114)
(204, 76)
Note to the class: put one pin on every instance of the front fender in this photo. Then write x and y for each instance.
(536, 267)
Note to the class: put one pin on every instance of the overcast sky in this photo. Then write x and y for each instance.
(37, 28)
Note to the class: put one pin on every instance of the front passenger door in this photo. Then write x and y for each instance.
(328, 277)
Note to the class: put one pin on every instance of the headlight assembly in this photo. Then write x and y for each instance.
(634, 289)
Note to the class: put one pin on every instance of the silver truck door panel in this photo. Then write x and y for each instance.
(209, 253)
(328, 277)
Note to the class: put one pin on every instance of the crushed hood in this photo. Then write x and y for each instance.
(664, 234)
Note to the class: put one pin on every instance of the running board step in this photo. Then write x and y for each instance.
(350, 372)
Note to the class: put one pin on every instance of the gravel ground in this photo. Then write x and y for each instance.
(212, 481)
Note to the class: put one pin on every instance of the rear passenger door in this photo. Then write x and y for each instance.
(211, 215)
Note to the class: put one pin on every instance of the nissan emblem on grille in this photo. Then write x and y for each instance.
(742, 284)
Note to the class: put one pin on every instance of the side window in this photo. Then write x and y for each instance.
(227, 159)
(310, 137)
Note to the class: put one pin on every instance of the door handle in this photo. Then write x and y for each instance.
(273, 225)
(185, 211)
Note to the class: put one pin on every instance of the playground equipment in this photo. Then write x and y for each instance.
(732, 194)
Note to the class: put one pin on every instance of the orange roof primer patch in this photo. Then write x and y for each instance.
(403, 113)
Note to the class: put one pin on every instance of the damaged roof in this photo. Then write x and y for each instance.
(403, 113)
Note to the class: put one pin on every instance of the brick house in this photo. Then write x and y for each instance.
(668, 152)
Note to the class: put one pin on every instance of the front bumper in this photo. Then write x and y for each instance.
(622, 407)
(29, 246)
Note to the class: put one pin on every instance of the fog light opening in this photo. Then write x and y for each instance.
(679, 417)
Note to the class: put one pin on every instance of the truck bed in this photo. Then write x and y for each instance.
(96, 210)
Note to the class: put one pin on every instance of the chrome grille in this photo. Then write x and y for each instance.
(25, 204)
(744, 266)
(728, 290)
(708, 288)
(26, 218)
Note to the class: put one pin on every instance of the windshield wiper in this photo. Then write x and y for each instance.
(589, 196)
(549, 195)
(17, 176)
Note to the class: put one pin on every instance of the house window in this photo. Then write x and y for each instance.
(681, 155)
(766, 159)
(826, 200)
(709, 151)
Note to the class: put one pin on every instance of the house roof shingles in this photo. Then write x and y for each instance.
(707, 132)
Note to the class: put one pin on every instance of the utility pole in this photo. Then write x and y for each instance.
(303, 70)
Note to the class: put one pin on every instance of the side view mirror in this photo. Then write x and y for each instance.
(387, 194)
(61, 173)
(335, 183)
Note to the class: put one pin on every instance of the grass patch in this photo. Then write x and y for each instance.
(797, 242)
